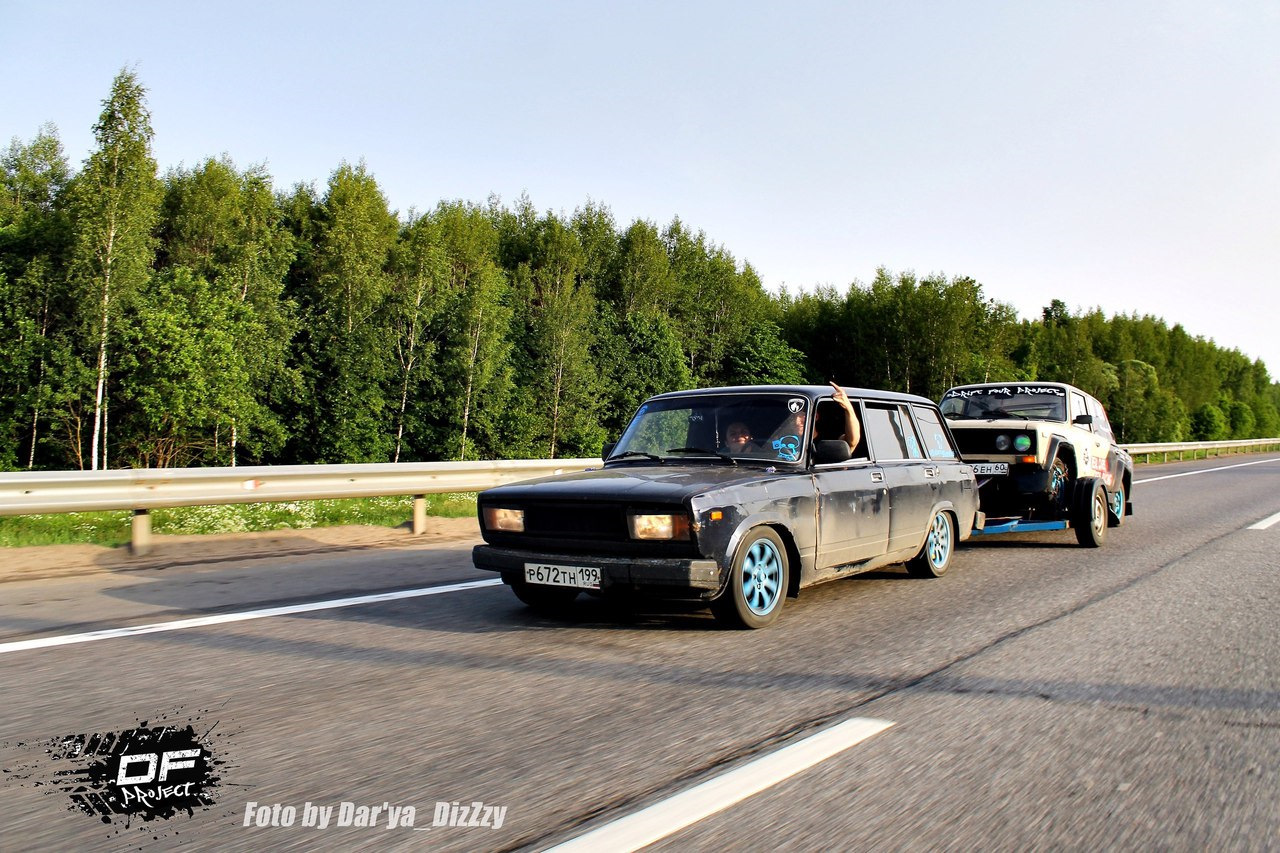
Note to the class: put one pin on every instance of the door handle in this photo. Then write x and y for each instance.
(877, 477)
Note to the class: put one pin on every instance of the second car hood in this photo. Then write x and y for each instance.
(640, 483)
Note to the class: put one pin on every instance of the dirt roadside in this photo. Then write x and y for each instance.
(47, 561)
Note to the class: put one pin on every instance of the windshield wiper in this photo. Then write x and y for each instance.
(702, 451)
(633, 453)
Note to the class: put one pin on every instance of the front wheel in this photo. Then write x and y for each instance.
(1089, 514)
(757, 582)
(935, 555)
(551, 600)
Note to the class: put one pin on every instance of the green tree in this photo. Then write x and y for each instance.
(1208, 423)
(225, 227)
(184, 371)
(640, 356)
(115, 202)
(351, 361)
(33, 294)
(471, 386)
(420, 278)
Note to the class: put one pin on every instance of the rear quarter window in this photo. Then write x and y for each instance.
(890, 433)
(937, 441)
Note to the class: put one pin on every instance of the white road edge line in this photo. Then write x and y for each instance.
(688, 807)
(1205, 471)
(225, 618)
(1266, 522)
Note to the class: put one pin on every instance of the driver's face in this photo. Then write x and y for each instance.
(737, 435)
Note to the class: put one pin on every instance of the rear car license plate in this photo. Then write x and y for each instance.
(582, 577)
(990, 468)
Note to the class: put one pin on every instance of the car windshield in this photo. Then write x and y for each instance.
(722, 428)
(1032, 402)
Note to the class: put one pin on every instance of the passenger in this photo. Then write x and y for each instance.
(852, 429)
(789, 435)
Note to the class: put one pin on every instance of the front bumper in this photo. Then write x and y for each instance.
(1023, 492)
(671, 576)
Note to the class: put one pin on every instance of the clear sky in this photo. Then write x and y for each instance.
(1124, 155)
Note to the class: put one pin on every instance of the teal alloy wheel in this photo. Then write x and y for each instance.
(935, 555)
(757, 584)
(762, 577)
(1115, 516)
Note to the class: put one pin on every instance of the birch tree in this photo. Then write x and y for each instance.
(115, 203)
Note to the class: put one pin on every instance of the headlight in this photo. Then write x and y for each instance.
(1002, 443)
(654, 526)
(1022, 443)
(498, 518)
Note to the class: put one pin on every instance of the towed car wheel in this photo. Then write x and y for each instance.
(757, 583)
(1089, 515)
(935, 556)
(1059, 478)
(1115, 512)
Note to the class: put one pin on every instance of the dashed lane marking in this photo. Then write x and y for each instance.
(701, 801)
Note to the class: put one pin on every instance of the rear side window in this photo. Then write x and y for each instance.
(890, 433)
(1100, 423)
(936, 441)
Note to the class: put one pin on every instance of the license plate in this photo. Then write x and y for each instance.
(991, 468)
(582, 577)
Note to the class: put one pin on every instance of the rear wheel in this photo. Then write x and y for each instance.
(757, 582)
(935, 556)
(1089, 514)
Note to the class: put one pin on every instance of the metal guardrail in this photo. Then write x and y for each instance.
(1210, 448)
(145, 489)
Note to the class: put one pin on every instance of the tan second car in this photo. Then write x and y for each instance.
(1044, 456)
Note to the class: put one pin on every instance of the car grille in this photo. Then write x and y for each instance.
(575, 521)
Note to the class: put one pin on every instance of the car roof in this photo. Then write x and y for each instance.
(813, 392)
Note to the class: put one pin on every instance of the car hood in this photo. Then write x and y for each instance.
(632, 483)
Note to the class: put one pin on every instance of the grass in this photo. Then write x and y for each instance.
(113, 528)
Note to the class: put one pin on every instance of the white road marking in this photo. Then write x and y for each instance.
(224, 618)
(688, 807)
(1266, 522)
(1205, 471)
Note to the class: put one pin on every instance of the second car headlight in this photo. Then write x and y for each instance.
(1002, 442)
(670, 525)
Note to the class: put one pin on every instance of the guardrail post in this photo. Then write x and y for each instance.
(419, 515)
(140, 539)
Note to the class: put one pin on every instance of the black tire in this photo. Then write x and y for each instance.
(1115, 506)
(757, 582)
(1089, 512)
(935, 554)
(551, 600)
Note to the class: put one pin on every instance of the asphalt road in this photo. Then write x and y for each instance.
(1041, 696)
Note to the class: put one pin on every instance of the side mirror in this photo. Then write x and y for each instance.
(1083, 420)
(608, 448)
(828, 452)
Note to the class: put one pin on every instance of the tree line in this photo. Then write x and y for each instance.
(203, 317)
